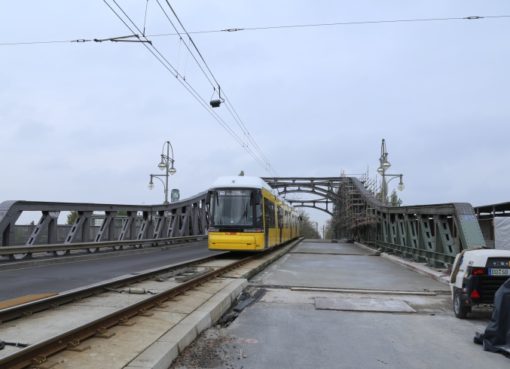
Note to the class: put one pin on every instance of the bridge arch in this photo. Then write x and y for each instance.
(298, 205)
(324, 187)
(324, 194)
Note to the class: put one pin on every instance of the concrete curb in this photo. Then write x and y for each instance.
(412, 265)
(165, 350)
(275, 257)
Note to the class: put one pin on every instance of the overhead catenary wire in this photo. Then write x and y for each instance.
(145, 16)
(245, 131)
(229, 105)
(335, 24)
(276, 27)
(185, 44)
(262, 159)
(164, 61)
(170, 68)
(210, 75)
(192, 42)
(190, 89)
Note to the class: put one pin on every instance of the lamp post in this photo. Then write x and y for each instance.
(167, 165)
(384, 165)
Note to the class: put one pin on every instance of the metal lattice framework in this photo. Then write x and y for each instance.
(101, 222)
(325, 188)
(431, 233)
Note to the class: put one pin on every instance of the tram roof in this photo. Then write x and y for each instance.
(241, 182)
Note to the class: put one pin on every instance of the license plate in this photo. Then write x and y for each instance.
(499, 272)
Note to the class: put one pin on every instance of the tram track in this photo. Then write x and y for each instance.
(37, 353)
(206, 269)
(63, 298)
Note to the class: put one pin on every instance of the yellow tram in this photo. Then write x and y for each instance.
(246, 215)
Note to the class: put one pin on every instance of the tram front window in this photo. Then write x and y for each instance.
(232, 208)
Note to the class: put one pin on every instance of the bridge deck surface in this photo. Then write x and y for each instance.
(55, 278)
(380, 315)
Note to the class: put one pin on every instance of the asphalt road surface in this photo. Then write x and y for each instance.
(54, 278)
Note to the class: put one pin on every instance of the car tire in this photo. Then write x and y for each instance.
(460, 309)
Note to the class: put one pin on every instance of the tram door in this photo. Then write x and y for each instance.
(280, 223)
(270, 223)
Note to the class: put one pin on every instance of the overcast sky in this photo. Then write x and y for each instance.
(85, 122)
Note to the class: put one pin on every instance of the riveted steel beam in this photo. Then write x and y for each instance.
(432, 233)
(97, 223)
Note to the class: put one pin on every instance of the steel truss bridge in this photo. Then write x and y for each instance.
(96, 225)
(428, 233)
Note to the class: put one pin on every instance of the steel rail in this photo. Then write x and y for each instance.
(38, 353)
(13, 250)
(33, 307)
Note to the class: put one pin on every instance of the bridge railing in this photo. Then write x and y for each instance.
(431, 233)
(96, 223)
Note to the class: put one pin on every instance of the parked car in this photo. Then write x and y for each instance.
(476, 276)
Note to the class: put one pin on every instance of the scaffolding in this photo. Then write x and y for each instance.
(353, 215)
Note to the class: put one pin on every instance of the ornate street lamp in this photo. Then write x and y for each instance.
(167, 165)
(384, 165)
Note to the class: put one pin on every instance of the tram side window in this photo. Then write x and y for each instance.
(270, 218)
(258, 216)
(280, 217)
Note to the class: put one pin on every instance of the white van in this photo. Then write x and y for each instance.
(476, 276)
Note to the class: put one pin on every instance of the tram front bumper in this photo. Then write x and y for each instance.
(236, 241)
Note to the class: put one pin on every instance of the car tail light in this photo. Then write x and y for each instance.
(475, 294)
(478, 271)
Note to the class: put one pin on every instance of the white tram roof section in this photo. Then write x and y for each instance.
(245, 182)
(241, 182)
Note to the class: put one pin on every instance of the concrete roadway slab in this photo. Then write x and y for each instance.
(344, 271)
(284, 329)
(363, 304)
(423, 304)
(298, 336)
(330, 248)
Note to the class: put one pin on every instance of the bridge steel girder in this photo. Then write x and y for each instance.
(304, 205)
(313, 204)
(322, 193)
(431, 233)
(324, 186)
(102, 222)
